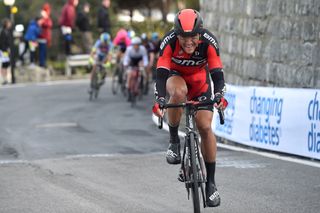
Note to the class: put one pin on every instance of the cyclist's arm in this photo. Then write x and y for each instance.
(145, 57)
(126, 59)
(163, 68)
(216, 69)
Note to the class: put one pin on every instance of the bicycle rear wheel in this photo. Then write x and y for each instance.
(195, 176)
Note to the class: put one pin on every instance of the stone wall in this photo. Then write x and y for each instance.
(267, 42)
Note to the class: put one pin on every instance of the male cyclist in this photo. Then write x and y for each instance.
(134, 55)
(189, 57)
(100, 55)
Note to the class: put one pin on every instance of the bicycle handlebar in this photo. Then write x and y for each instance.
(192, 103)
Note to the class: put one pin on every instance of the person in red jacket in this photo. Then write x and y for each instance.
(45, 36)
(67, 22)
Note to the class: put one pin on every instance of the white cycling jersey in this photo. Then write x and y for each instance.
(132, 56)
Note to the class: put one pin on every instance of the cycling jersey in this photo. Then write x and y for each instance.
(122, 40)
(132, 56)
(193, 68)
(101, 49)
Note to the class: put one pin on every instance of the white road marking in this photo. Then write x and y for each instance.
(239, 149)
(55, 125)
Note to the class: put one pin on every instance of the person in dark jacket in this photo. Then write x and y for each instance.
(83, 23)
(67, 23)
(5, 39)
(31, 36)
(103, 17)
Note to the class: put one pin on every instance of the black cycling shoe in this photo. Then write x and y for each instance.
(173, 155)
(212, 195)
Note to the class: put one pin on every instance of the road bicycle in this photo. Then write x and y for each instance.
(97, 81)
(136, 85)
(192, 164)
(118, 79)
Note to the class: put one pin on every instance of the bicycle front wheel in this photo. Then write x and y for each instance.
(195, 175)
(115, 82)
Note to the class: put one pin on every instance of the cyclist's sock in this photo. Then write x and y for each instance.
(174, 137)
(211, 169)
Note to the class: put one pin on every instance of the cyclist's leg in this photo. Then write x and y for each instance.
(203, 120)
(177, 89)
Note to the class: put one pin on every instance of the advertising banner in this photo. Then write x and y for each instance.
(277, 119)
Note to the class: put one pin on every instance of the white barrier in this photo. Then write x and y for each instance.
(278, 119)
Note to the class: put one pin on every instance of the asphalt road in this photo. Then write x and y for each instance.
(61, 153)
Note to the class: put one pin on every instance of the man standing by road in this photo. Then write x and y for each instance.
(83, 23)
(104, 24)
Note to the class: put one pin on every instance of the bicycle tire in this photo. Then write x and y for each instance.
(194, 170)
(133, 99)
(95, 85)
(115, 82)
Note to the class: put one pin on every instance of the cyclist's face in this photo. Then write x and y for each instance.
(136, 47)
(190, 43)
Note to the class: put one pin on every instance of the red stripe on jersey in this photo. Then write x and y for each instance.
(187, 20)
(164, 61)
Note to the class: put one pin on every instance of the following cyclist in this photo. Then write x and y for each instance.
(100, 56)
(189, 57)
(134, 56)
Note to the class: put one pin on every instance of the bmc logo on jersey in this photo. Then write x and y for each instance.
(189, 62)
(211, 39)
(166, 40)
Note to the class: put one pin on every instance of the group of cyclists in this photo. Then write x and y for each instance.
(187, 65)
(130, 54)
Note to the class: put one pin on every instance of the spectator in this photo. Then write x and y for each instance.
(31, 36)
(5, 40)
(83, 23)
(45, 36)
(67, 21)
(103, 17)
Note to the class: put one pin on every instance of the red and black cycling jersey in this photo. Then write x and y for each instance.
(192, 67)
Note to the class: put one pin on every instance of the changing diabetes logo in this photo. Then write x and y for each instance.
(228, 115)
(314, 132)
(266, 115)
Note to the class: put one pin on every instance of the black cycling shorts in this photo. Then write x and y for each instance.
(203, 97)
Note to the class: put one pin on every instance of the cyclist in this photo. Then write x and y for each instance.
(100, 55)
(156, 43)
(151, 49)
(189, 56)
(122, 41)
(134, 55)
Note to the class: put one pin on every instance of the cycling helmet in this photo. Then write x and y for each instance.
(136, 40)
(144, 36)
(105, 37)
(154, 36)
(188, 22)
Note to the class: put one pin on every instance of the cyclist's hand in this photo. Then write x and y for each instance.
(220, 101)
(91, 60)
(107, 64)
(157, 108)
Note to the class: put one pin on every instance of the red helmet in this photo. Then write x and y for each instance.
(188, 22)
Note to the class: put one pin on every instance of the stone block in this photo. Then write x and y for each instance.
(260, 9)
(308, 32)
(316, 56)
